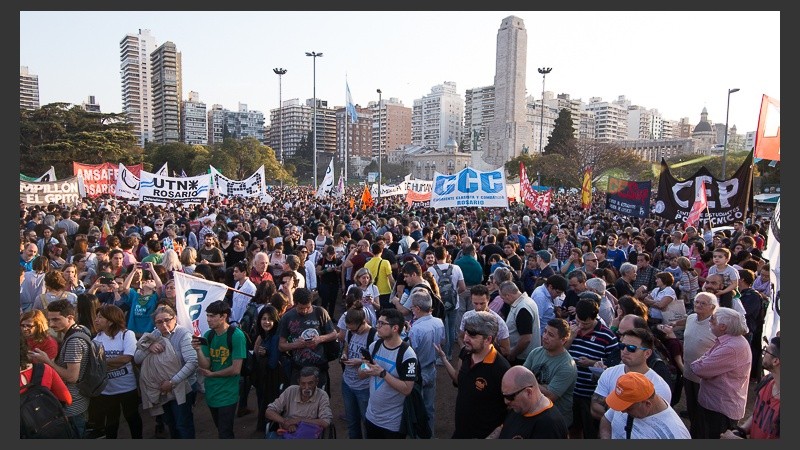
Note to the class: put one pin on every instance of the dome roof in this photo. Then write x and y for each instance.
(702, 126)
(451, 143)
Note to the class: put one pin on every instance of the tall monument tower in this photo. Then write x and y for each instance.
(510, 131)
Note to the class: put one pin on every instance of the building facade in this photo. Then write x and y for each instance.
(244, 123)
(194, 121)
(611, 119)
(28, 89)
(91, 105)
(438, 117)
(392, 125)
(136, 76)
(167, 87)
(478, 115)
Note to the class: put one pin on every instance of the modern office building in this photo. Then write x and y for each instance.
(244, 123)
(167, 98)
(611, 119)
(194, 121)
(510, 131)
(438, 117)
(28, 89)
(136, 76)
(296, 122)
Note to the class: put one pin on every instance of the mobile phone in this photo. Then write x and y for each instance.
(202, 340)
(367, 356)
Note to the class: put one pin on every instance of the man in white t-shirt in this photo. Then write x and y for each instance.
(636, 345)
(637, 411)
(244, 286)
(479, 295)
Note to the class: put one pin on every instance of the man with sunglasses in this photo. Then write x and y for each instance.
(533, 415)
(636, 345)
(478, 375)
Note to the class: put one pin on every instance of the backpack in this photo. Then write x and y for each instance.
(41, 414)
(248, 323)
(446, 288)
(332, 349)
(414, 423)
(247, 362)
(95, 377)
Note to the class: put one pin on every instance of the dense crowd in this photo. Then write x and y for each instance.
(578, 323)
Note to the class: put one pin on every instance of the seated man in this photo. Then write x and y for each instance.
(301, 402)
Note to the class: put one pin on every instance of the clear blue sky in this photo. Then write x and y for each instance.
(676, 62)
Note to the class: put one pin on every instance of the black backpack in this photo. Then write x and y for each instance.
(94, 379)
(248, 324)
(41, 414)
(446, 288)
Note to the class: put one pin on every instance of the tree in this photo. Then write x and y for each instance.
(303, 160)
(58, 135)
(238, 159)
(562, 139)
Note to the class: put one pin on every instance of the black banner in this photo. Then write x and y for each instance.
(630, 198)
(728, 200)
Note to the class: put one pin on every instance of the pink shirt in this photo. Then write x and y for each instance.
(724, 372)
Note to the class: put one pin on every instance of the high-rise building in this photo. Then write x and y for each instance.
(194, 122)
(137, 104)
(510, 132)
(359, 134)
(395, 122)
(611, 119)
(478, 115)
(438, 117)
(216, 124)
(91, 105)
(28, 89)
(326, 130)
(166, 81)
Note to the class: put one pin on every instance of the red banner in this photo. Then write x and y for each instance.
(418, 197)
(101, 179)
(534, 200)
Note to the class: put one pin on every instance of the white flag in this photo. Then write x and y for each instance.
(163, 171)
(327, 182)
(772, 322)
(192, 296)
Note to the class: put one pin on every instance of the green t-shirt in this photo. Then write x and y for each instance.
(223, 391)
(558, 373)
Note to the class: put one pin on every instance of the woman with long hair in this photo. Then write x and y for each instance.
(178, 414)
(168, 294)
(34, 328)
(74, 284)
(121, 392)
(55, 288)
(370, 295)
(276, 261)
(267, 377)
(86, 310)
(236, 251)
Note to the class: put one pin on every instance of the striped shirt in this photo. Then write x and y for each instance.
(75, 350)
(599, 343)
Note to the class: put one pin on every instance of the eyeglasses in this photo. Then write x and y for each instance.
(510, 397)
(381, 323)
(766, 350)
(165, 321)
(630, 347)
(159, 224)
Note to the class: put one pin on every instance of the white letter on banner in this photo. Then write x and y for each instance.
(464, 184)
(444, 184)
(487, 185)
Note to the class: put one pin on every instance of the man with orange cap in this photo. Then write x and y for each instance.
(637, 412)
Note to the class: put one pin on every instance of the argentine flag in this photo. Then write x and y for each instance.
(351, 108)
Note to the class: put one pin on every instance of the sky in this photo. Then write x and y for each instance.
(675, 62)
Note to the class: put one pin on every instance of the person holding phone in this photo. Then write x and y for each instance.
(355, 390)
(141, 303)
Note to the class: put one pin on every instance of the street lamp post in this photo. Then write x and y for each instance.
(544, 71)
(280, 72)
(538, 179)
(725, 142)
(380, 173)
(315, 55)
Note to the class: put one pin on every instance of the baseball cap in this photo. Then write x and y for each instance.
(631, 388)
(544, 254)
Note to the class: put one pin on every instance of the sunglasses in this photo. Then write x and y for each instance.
(473, 333)
(630, 347)
(763, 351)
(510, 397)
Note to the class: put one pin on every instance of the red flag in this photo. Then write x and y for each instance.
(768, 133)
(586, 188)
(700, 203)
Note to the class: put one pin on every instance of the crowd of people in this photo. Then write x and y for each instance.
(579, 323)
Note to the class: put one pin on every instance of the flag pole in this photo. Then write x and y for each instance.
(346, 126)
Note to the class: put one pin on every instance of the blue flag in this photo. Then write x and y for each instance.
(351, 108)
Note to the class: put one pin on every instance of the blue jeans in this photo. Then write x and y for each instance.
(78, 422)
(180, 418)
(223, 420)
(355, 408)
(429, 397)
(450, 326)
